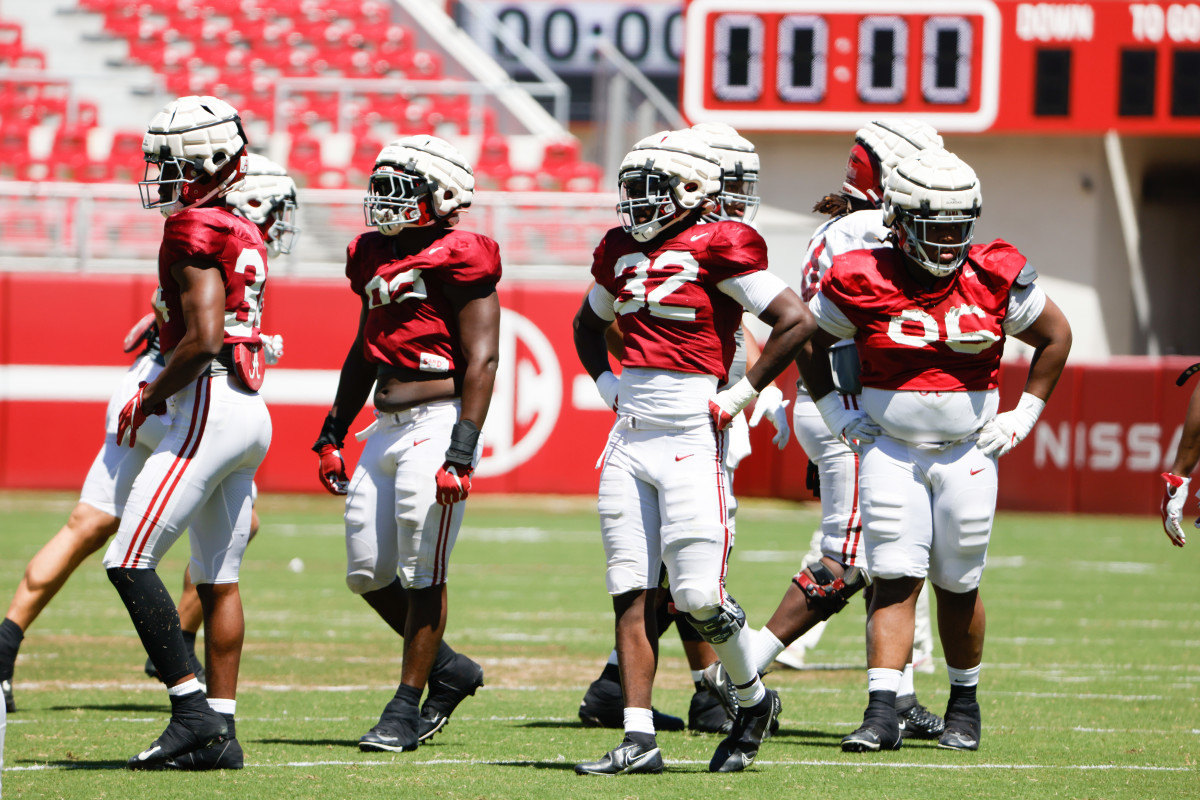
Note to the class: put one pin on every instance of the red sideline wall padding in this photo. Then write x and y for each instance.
(1104, 438)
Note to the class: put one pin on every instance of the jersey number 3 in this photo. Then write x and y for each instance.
(642, 289)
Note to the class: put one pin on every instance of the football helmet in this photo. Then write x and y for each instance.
(195, 150)
(663, 179)
(267, 197)
(417, 181)
(739, 197)
(878, 148)
(931, 201)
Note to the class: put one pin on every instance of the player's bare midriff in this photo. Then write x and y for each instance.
(394, 394)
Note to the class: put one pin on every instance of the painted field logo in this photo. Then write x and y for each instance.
(527, 397)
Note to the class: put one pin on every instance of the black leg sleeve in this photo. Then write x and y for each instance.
(154, 618)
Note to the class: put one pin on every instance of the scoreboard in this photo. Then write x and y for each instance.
(961, 65)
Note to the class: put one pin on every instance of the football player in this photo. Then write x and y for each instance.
(837, 569)
(268, 198)
(929, 313)
(212, 270)
(677, 289)
(427, 341)
(1175, 490)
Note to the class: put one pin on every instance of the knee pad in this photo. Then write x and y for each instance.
(360, 582)
(826, 594)
(717, 629)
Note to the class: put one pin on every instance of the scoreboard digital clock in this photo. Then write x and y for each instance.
(962, 65)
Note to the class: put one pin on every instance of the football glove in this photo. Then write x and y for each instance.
(1003, 432)
(1174, 497)
(851, 425)
(332, 470)
(771, 404)
(272, 348)
(608, 384)
(134, 414)
(453, 483)
(727, 404)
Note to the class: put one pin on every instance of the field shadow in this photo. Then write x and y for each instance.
(553, 723)
(76, 764)
(149, 708)
(349, 743)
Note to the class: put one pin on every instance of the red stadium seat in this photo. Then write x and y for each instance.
(10, 41)
(125, 158)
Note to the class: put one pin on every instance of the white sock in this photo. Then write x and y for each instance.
(880, 679)
(906, 682)
(697, 675)
(187, 687)
(223, 705)
(765, 646)
(963, 677)
(612, 657)
(639, 720)
(751, 695)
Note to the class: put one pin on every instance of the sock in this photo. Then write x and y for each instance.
(223, 706)
(881, 706)
(187, 687)
(639, 720)
(232, 732)
(752, 694)
(409, 695)
(698, 678)
(881, 679)
(906, 682)
(154, 618)
(10, 642)
(611, 672)
(963, 677)
(766, 646)
(612, 658)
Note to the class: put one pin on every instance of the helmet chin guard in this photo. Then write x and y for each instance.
(664, 178)
(418, 181)
(267, 197)
(195, 151)
(931, 202)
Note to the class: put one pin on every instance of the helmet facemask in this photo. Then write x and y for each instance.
(938, 241)
(418, 181)
(281, 234)
(647, 204)
(931, 201)
(399, 199)
(739, 198)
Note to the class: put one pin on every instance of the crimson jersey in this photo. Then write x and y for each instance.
(946, 339)
(215, 235)
(671, 314)
(410, 320)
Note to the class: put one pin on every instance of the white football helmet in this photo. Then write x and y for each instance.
(739, 196)
(195, 150)
(931, 202)
(878, 148)
(664, 178)
(267, 197)
(417, 181)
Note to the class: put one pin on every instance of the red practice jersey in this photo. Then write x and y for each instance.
(947, 338)
(671, 314)
(410, 321)
(213, 235)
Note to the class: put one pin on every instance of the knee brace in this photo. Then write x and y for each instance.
(717, 629)
(826, 594)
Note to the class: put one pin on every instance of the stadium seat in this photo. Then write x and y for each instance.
(10, 41)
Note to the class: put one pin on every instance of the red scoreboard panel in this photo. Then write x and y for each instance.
(962, 65)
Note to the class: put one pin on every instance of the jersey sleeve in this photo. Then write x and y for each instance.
(475, 260)
(188, 235)
(830, 317)
(602, 266)
(354, 265)
(735, 249)
(754, 291)
(1025, 305)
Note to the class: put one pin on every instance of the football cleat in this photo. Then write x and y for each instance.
(396, 730)
(446, 691)
(225, 753)
(739, 749)
(963, 725)
(707, 715)
(917, 721)
(871, 737)
(10, 705)
(716, 680)
(194, 725)
(603, 706)
(627, 758)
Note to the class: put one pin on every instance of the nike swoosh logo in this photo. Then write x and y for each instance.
(681, 458)
(419, 441)
(145, 754)
(977, 471)
(435, 249)
(700, 235)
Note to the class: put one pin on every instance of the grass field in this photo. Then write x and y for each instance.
(1089, 690)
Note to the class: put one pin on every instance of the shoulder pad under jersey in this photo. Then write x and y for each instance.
(1027, 275)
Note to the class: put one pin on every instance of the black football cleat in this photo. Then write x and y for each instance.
(396, 730)
(917, 721)
(193, 726)
(716, 680)
(963, 725)
(739, 749)
(603, 706)
(707, 715)
(446, 691)
(628, 758)
(871, 737)
(225, 753)
(10, 705)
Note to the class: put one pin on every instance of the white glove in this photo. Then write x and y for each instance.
(1005, 431)
(771, 404)
(608, 384)
(739, 442)
(725, 405)
(1174, 497)
(272, 347)
(851, 425)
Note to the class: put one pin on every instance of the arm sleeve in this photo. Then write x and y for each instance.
(830, 317)
(602, 301)
(754, 291)
(1025, 304)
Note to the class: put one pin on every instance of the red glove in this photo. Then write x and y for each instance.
(453, 483)
(134, 414)
(332, 471)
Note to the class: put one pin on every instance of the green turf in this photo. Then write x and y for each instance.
(1090, 682)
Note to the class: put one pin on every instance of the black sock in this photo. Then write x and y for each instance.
(444, 660)
(611, 672)
(154, 618)
(10, 642)
(962, 694)
(641, 739)
(232, 734)
(409, 695)
(881, 706)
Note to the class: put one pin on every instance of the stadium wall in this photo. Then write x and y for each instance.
(1110, 428)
